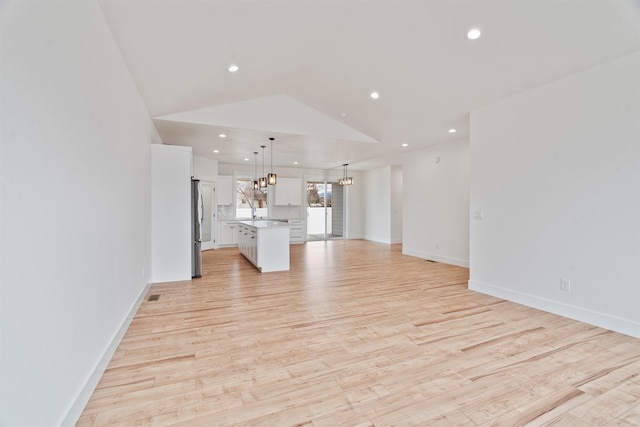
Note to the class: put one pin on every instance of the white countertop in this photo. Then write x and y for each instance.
(265, 223)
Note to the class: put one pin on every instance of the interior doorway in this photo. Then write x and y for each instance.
(325, 210)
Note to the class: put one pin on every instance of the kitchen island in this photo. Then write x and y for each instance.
(265, 244)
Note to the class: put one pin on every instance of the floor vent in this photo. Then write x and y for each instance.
(430, 260)
(153, 298)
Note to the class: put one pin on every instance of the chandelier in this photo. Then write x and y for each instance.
(345, 180)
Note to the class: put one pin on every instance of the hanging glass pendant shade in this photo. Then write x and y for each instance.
(263, 178)
(255, 185)
(347, 180)
(271, 177)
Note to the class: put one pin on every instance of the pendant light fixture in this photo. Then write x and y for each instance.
(271, 177)
(255, 185)
(345, 180)
(263, 178)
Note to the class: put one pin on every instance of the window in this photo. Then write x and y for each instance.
(247, 199)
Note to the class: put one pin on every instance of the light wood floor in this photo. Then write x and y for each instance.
(357, 334)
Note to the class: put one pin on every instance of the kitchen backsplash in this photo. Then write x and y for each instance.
(226, 212)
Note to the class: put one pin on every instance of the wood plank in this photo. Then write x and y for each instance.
(356, 333)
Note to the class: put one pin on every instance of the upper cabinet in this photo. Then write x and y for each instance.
(288, 192)
(224, 190)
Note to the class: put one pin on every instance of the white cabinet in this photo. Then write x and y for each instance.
(297, 231)
(224, 190)
(247, 242)
(228, 233)
(242, 238)
(265, 244)
(288, 192)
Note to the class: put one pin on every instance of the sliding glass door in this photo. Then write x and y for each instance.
(325, 210)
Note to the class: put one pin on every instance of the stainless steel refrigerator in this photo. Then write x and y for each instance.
(197, 211)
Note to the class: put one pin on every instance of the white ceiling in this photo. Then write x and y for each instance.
(307, 68)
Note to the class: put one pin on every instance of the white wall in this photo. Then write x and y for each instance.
(556, 174)
(247, 170)
(75, 229)
(205, 169)
(436, 203)
(170, 213)
(377, 204)
(381, 199)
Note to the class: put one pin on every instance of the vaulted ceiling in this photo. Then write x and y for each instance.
(307, 68)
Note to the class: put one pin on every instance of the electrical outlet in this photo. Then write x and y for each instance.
(565, 285)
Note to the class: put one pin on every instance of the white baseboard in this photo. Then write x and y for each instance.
(436, 257)
(387, 241)
(75, 410)
(377, 239)
(623, 326)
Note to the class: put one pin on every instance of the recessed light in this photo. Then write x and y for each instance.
(246, 160)
(295, 163)
(405, 145)
(216, 151)
(233, 68)
(473, 34)
(452, 131)
(375, 95)
(222, 135)
(343, 114)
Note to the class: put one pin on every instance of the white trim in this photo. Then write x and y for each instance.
(374, 239)
(617, 324)
(386, 241)
(345, 213)
(75, 410)
(436, 257)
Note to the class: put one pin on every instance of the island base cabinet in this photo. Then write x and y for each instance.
(273, 249)
(247, 242)
(267, 248)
